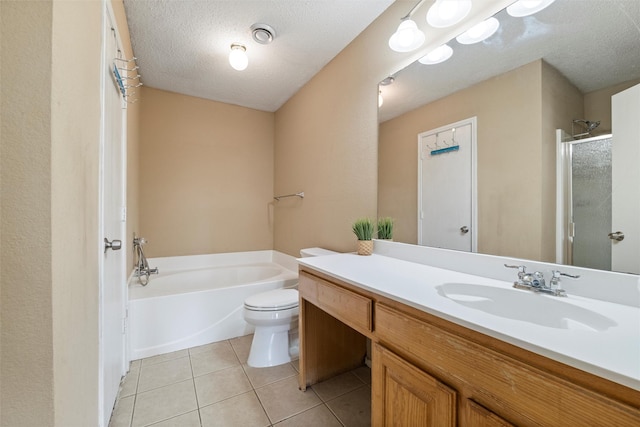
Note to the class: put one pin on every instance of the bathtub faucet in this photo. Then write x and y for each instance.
(142, 266)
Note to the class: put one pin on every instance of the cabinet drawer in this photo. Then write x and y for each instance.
(343, 304)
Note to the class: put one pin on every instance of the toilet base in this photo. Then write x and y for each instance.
(270, 346)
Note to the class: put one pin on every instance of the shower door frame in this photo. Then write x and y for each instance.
(564, 211)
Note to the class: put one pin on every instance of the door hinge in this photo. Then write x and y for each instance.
(123, 214)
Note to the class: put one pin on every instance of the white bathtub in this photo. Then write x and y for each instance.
(198, 299)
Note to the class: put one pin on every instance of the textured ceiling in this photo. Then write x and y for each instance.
(594, 43)
(183, 45)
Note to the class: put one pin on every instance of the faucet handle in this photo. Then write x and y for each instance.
(522, 273)
(557, 273)
(521, 268)
(555, 285)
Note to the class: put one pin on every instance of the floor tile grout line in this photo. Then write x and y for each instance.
(339, 395)
(135, 396)
(263, 408)
(277, 381)
(293, 415)
(165, 385)
(335, 415)
(162, 361)
(195, 390)
(171, 418)
(301, 412)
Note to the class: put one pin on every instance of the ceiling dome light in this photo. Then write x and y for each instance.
(527, 7)
(445, 13)
(479, 32)
(437, 55)
(238, 57)
(407, 37)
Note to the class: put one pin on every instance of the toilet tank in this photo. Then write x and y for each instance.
(310, 252)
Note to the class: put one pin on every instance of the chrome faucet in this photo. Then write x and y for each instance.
(535, 281)
(142, 266)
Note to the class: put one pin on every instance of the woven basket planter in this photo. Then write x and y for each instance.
(365, 247)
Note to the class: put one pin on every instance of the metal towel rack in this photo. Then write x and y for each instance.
(300, 194)
(121, 69)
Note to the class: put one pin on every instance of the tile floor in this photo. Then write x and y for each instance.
(212, 385)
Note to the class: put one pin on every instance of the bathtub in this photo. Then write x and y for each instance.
(197, 300)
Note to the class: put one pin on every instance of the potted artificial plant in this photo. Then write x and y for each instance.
(385, 228)
(363, 229)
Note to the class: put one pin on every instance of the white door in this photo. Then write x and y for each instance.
(446, 187)
(112, 268)
(625, 181)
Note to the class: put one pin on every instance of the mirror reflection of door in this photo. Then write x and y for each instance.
(625, 191)
(446, 187)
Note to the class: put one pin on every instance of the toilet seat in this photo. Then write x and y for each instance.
(276, 300)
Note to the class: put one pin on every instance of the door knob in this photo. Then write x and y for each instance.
(115, 245)
(618, 236)
(464, 229)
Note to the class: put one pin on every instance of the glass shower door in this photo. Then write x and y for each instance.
(590, 207)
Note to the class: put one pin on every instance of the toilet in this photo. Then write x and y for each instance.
(275, 317)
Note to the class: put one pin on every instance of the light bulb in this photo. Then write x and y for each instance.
(479, 32)
(445, 13)
(437, 55)
(238, 57)
(407, 37)
(527, 7)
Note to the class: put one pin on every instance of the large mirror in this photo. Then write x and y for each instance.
(557, 69)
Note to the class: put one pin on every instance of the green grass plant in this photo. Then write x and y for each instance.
(363, 228)
(385, 228)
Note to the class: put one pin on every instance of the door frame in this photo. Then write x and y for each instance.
(473, 121)
(109, 22)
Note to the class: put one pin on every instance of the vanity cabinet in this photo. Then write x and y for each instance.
(479, 416)
(403, 395)
(428, 371)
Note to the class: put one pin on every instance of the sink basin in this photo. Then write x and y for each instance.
(525, 306)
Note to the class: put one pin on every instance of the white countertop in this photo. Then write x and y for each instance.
(609, 349)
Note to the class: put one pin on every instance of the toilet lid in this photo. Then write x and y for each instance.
(278, 299)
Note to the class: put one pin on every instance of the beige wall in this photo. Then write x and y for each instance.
(206, 175)
(26, 278)
(326, 147)
(49, 183)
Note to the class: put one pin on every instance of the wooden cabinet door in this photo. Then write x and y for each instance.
(405, 396)
(479, 416)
